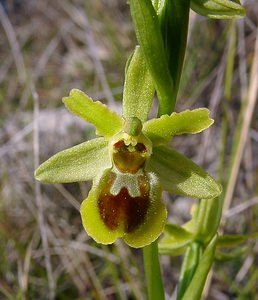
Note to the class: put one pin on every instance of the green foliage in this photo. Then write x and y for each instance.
(173, 17)
(195, 288)
(191, 261)
(218, 9)
(150, 39)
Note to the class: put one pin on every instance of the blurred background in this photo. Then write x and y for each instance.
(49, 47)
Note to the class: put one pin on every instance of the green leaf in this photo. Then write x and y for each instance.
(177, 232)
(180, 175)
(148, 33)
(231, 240)
(106, 121)
(138, 89)
(194, 290)
(190, 263)
(79, 163)
(231, 255)
(173, 16)
(207, 219)
(162, 129)
(170, 246)
(175, 240)
(218, 9)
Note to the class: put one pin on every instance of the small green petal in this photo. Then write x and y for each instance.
(138, 89)
(79, 163)
(162, 129)
(180, 175)
(106, 121)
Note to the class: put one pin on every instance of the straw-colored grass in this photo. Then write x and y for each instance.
(49, 47)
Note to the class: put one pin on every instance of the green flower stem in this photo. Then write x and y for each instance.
(161, 56)
(153, 274)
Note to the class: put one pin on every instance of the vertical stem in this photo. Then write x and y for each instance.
(163, 40)
(153, 273)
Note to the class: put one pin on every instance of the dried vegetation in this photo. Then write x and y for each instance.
(49, 47)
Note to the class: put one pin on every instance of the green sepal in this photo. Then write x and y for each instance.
(145, 234)
(175, 240)
(138, 88)
(162, 129)
(194, 290)
(148, 33)
(231, 240)
(106, 121)
(180, 175)
(79, 163)
(218, 9)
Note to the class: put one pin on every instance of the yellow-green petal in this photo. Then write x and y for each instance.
(161, 130)
(106, 121)
(79, 163)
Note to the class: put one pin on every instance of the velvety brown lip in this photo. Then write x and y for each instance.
(123, 208)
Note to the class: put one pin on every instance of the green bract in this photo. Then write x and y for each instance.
(218, 9)
(130, 166)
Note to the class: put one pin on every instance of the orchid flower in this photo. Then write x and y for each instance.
(130, 165)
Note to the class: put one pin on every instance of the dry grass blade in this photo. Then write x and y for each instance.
(38, 198)
(251, 98)
(82, 20)
(15, 47)
(65, 44)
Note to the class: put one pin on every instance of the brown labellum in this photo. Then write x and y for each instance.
(123, 209)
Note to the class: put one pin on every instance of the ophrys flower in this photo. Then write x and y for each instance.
(130, 165)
